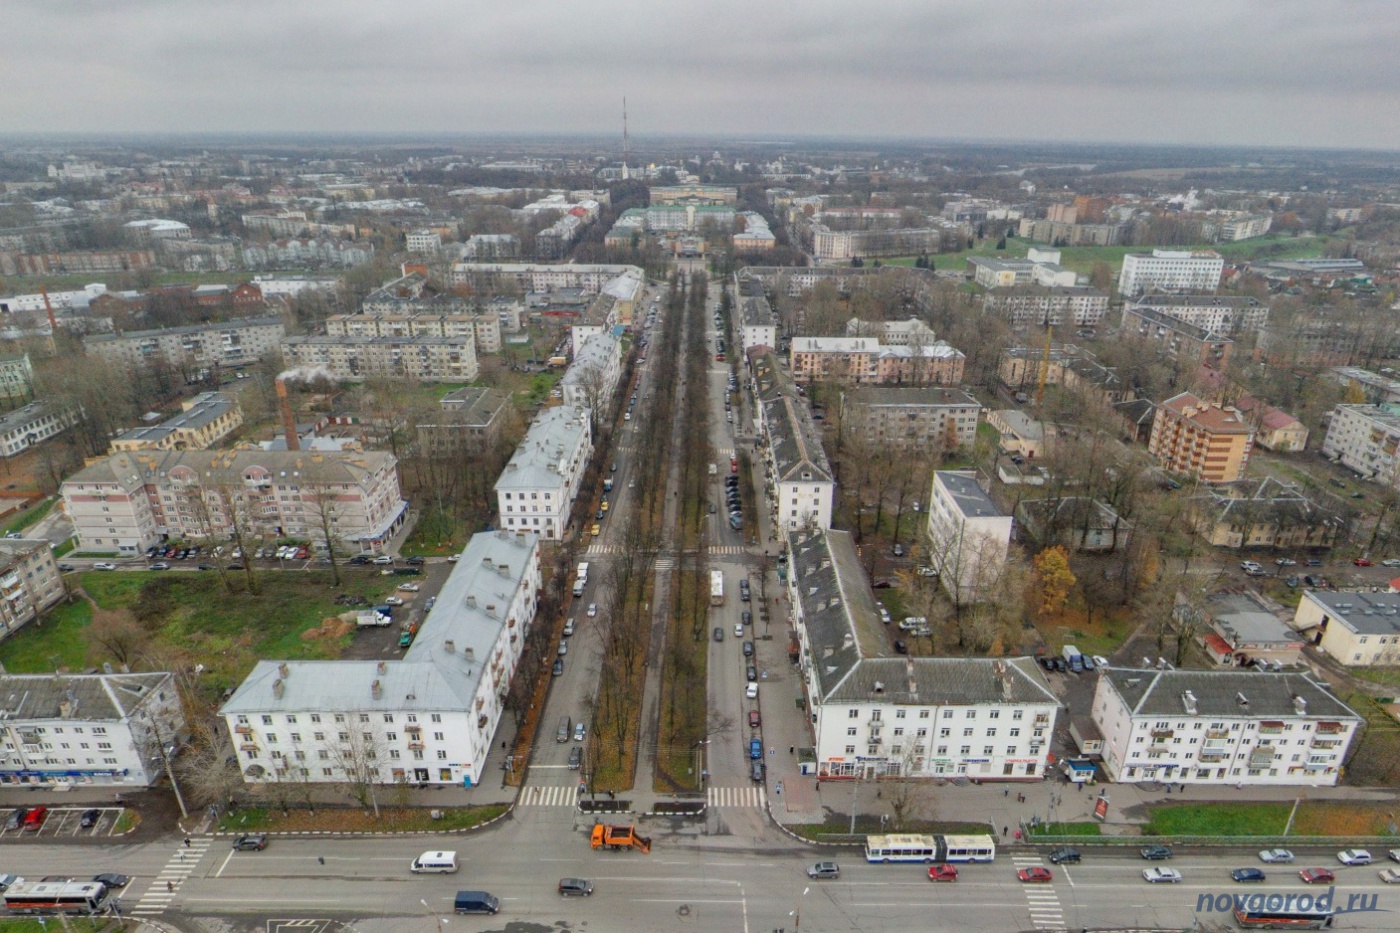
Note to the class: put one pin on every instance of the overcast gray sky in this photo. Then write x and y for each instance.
(1275, 72)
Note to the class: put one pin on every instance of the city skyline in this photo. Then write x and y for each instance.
(1242, 74)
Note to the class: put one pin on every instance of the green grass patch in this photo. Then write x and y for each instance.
(342, 819)
(65, 547)
(1218, 819)
(61, 925)
(438, 533)
(52, 642)
(1388, 676)
(1067, 829)
(126, 822)
(29, 516)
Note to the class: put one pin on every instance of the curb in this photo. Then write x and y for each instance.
(316, 833)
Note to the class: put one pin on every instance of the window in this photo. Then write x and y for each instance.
(967, 733)
(851, 730)
(271, 740)
(267, 720)
(388, 717)
(442, 755)
(947, 714)
(292, 720)
(965, 750)
(1014, 732)
(296, 737)
(853, 713)
(1016, 714)
(899, 713)
(437, 717)
(850, 749)
(391, 736)
(944, 733)
(315, 717)
(987, 750)
(364, 717)
(994, 714)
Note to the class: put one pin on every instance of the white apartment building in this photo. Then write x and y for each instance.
(129, 501)
(483, 328)
(1220, 314)
(591, 379)
(289, 286)
(1366, 438)
(61, 730)
(1357, 629)
(428, 242)
(199, 346)
(491, 246)
(801, 482)
(427, 718)
(1170, 270)
(423, 358)
(536, 490)
(33, 424)
(877, 714)
(1228, 727)
(968, 535)
(1058, 306)
(757, 325)
(907, 333)
(29, 582)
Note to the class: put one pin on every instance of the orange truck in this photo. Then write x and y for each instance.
(619, 837)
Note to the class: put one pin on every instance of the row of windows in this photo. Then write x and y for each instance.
(875, 714)
(291, 718)
(534, 495)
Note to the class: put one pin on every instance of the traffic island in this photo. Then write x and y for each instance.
(357, 821)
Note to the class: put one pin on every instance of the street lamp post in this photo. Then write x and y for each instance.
(440, 920)
(796, 913)
(169, 767)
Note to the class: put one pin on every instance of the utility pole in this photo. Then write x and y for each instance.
(169, 768)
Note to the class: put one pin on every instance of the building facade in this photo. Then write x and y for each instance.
(1168, 270)
(1221, 314)
(428, 718)
(536, 490)
(202, 422)
(924, 420)
(66, 730)
(484, 329)
(1075, 306)
(1200, 439)
(128, 501)
(470, 422)
(1357, 629)
(1366, 438)
(866, 361)
(1221, 727)
(968, 535)
(29, 582)
(1179, 340)
(200, 346)
(591, 379)
(33, 424)
(427, 359)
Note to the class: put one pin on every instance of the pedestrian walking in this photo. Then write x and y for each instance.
(170, 886)
(1005, 830)
(792, 749)
(1006, 792)
(187, 842)
(1081, 787)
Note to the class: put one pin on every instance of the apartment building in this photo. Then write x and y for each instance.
(1180, 341)
(1079, 523)
(929, 421)
(877, 714)
(624, 282)
(428, 718)
(128, 501)
(801, 482)
(866, 361)
(694, 194)
(591, 380)
(1056, 306)
(907, 333)
(424, 358)
(1069, 366)
(757, 325)
(427, 242)
(1020, 433)
(536, 490)
(1221, 314)
(1274, 429)
(29, 582)
(1377, 389)
(969, 536)
(1201, 439)
(1318, 341)
(198, 346)
(1040, 267)
(1263, 514)
(1230, 727)
(202, 422)
(470, 422)
(1168, 270)
(60, 731)
(491, 246)
(32, 424)
(422, 320)
(1357, 629)
(1366, 438)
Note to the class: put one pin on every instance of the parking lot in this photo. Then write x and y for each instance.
(63, 822)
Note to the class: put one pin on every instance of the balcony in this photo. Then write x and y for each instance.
(1217, 733)
(247, 746)
(1161, 735)
(415, 745)
(243, 730)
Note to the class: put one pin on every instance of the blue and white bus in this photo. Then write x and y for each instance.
(913, 847)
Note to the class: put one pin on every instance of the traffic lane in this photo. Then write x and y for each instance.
(728, 751)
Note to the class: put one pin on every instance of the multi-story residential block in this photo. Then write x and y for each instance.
(147, 231)
(428, 242)
(624, 282)
(694, 194)
(425, 358)
(537, 488)
(1057, 306)
(78, 262)
(1268, 514)
(491, 246)
(33, 424)
(1221, 314)
(1077, 522)
(758, 327)
(1201, 439)
(1168, 270)
(908, 333)
(1180, 341)
(876, 714)
(1377, 389)
(866, 361)
(422, 320)
(1366, 438)
(1274, 429)
(1318, 341)
(1069, 366)
(203, 421)
(428, 718)
(591, 379)
(470, 422)
(29, 582)
(61, 730)
(302, 252)
(1242, 226)
(1357, 629)
(1221, 727)
(802, 485)
(127, 502)
(925, 420)
(968, 535)
(289, 286)
(194, 348)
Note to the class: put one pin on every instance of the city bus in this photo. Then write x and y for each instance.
(53, 897)
(716, 587)
(912, 847)
(1289, 918)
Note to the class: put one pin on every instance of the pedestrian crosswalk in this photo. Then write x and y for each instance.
(555, 796)
(665, 563)
(731, 549)
(593, 550)
(735, 796)
(167, 884)
(1041, 899)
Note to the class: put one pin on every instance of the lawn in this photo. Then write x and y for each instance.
(193, 615)
(1067, 829)
(1386, 676)
(1218, 819)
(1103, 637)
(437, 533)
(342, 819)
(64, 924)
(28, 517)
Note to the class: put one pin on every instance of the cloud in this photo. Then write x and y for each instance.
(1286, 72)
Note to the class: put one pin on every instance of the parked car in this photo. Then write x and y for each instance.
(1389, 875)
(250, 842)
(393, 600)
(383, 559)
(1247, 875)
(898, 550)
(942, 872)
(414, 561)
(1286, 562)
(755, 749)
(580, 731)
(719, 633)
(104, 565)
(592, 610)
(160, 565)
(748, 649)
(1276, 856)
(1354, 857)
(751, 673)
(89, 819)
(1155, 853)
(34, 819)
(751, 692)
(1363, 562)
(738, 630)
(1064, 855)
(824, 870)
(568, 628)
(756, 771)
(563, 647)
(754, 719)
(1317, 876)
(409, 587)
(901, 646)
(558, 668)
(16, 817)
(1161, 875)
(405, 639)
(1037, 874)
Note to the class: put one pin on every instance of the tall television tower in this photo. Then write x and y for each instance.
(626, 141)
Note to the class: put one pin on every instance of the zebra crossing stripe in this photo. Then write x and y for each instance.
(552, 796)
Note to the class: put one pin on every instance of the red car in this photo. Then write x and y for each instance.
(753, 719)
(1317, 876)
(35, 818)
(942, 873)
(1036, 874)
(1363, 562)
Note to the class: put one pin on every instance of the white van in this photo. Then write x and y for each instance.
(443, 863)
